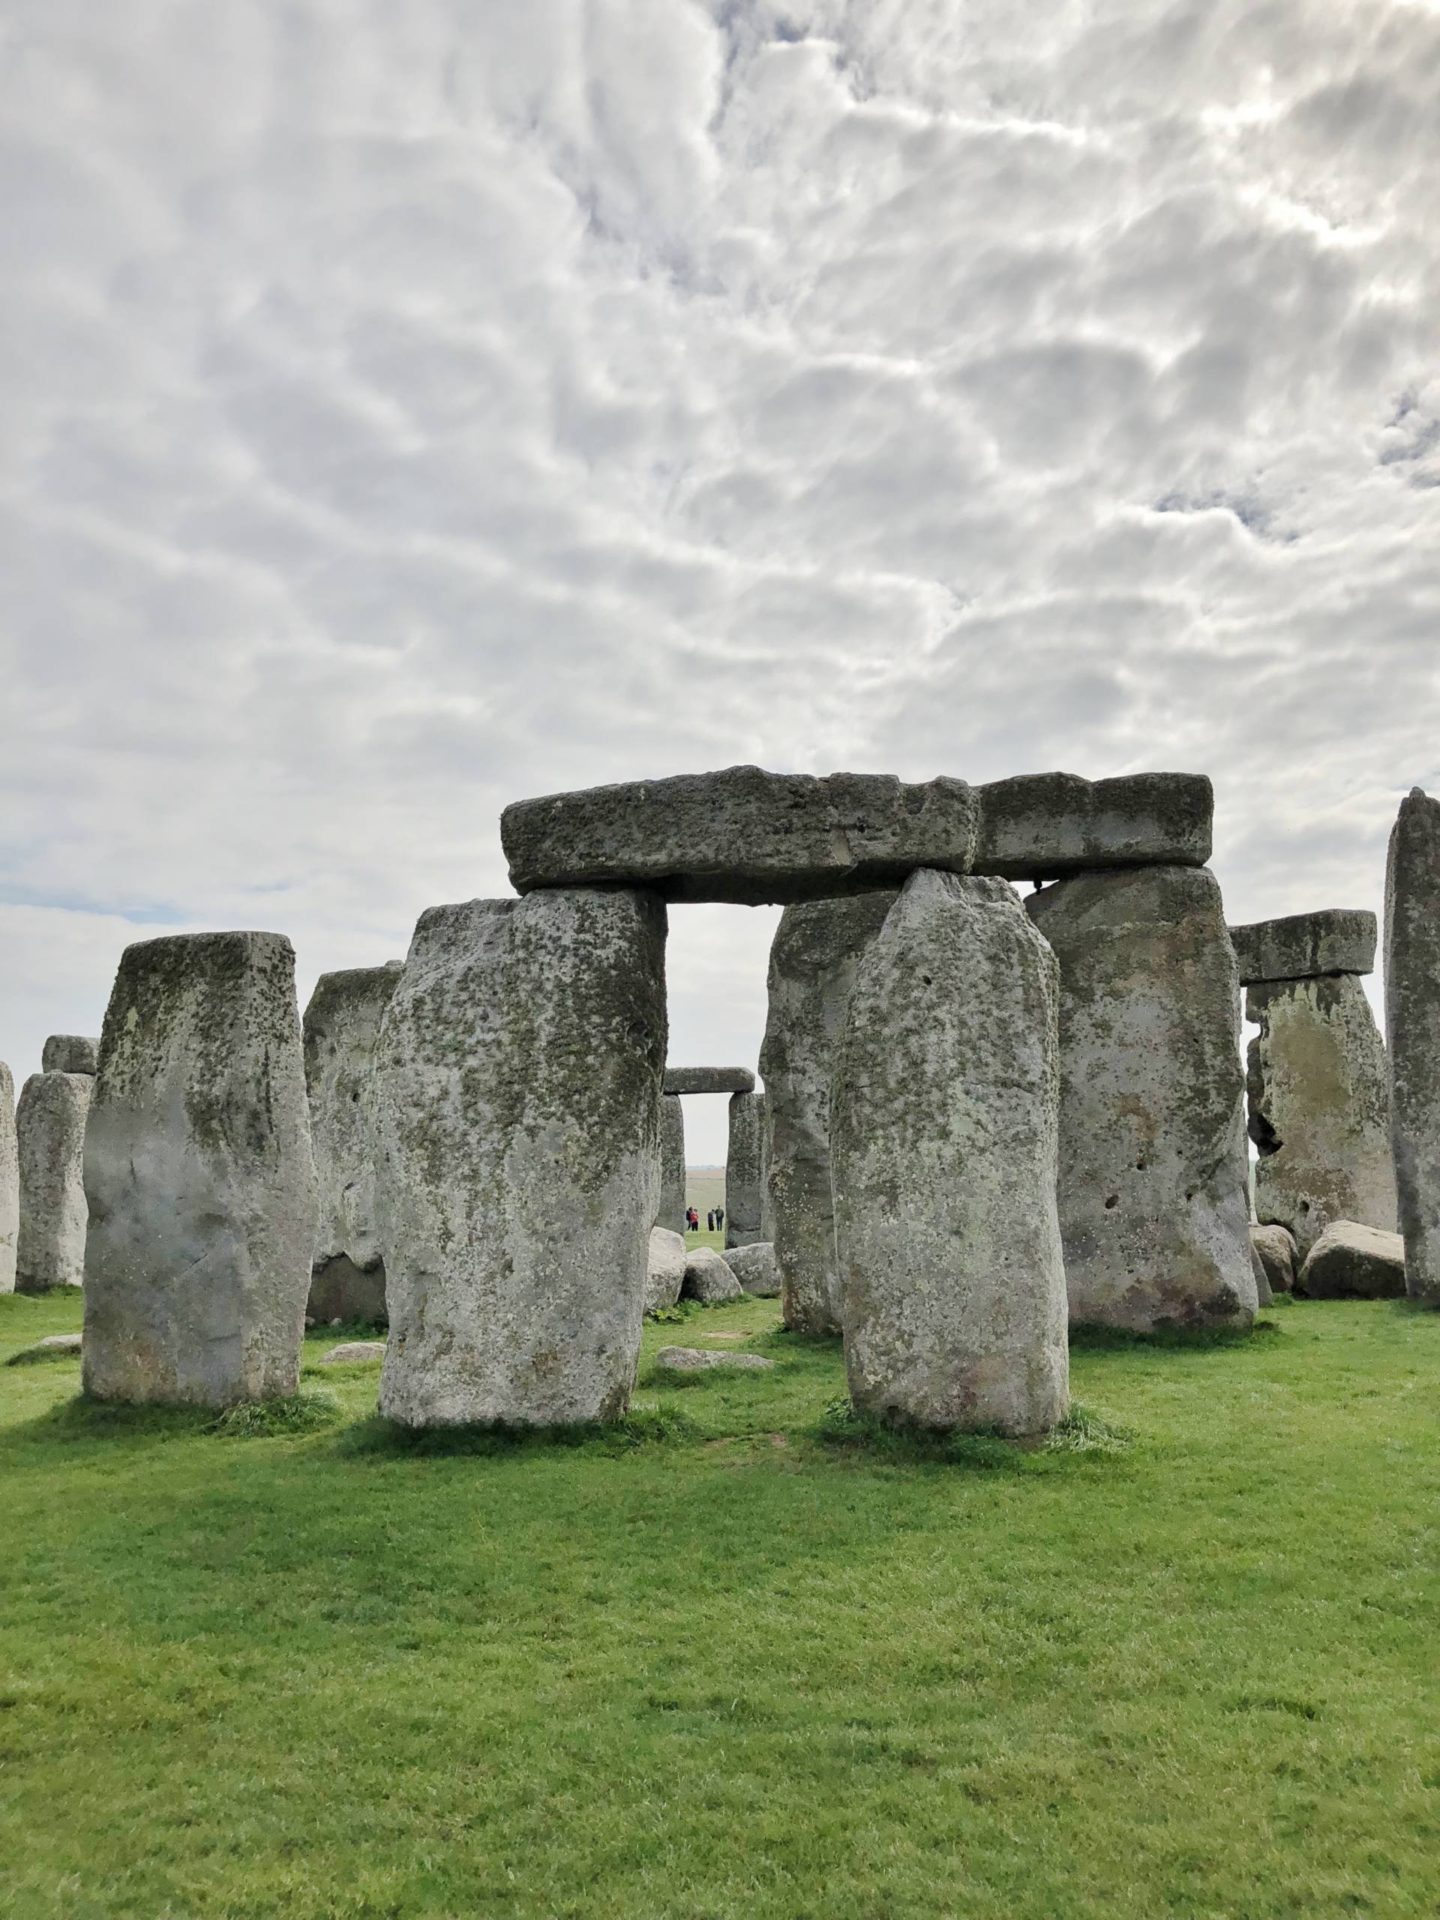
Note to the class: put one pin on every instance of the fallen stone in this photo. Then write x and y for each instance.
(743, 1160)
(1319, 1107)
(709, 1080)
(351, 1352)
(943, 1138)
(709, 1279)
(55, 1346)
(1275, 1248)
(517, 1099)
(1041, 826)
(69, 1053)
(1304, 946)
(1153, 1189)
(50, 1133)
(665, 1273)
(756, 1269)
(742, 834)
(199, 1176)
(341, 1027)
(1353, 1262)
(672, 1165)
(1412, 1026)
(9, 1181)
(697, 1360)
(817, 949)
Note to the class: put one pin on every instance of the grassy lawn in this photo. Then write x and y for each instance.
(723, 1666)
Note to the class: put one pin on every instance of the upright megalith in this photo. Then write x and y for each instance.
(9, 1181)
(341, 1027)
(672, 1164)
(50, 1134)
(1153, 1190)
(744, 1164)
(517, 1098)
(943, 1142)
(817, 949)
(69, 1053)
(1412, 1023)
(199, 1175)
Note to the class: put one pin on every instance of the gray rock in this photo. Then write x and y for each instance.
(709, 1279)
(351, 1352)
(813, 960)
(699, 1360)
(742, 834)
(672, 1165)
(743, 1158)
(767, 1212)
(69, 1053)
(9, 1181)
(199, 1175)
(709, 1080)
(1319, 1107)
(341, 1027)
(756, 1268)
(1412, 1026)
(1264, 1296)
(943, 1138)
(517, 1111)
(1353, 1262)
(55, 1346)
(1153, 1182)
(50, 1132)
(665, 1271)
(1275, 1249)
(1304, 946)
(1041, 826)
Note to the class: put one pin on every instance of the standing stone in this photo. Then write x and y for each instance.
(69, 1053)
(199, 1175)
(341, 1026)
(943, 1137)
(1153, 1193)
(517, 1106)
(1412, 1023)
(767, 1211)
(1319, 1107)
(743, 1160)
(50, 1130)
(817, 949)
(9, 1181)
(672, 1164)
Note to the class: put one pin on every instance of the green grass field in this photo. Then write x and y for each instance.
(720, 1665)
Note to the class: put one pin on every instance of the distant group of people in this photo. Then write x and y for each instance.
(714, 1220)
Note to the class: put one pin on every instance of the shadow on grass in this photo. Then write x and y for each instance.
(1202, 1341)
(843, 1429)
(309, 1411)
(379, 1438)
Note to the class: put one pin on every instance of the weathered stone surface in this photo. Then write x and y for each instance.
(1041, 826)
(672, 1165)
(709, 1080)
(517, 1108)
(742, 834)
(55, 1346)
(1305, 946)
(1353, 1262)
(743, 1157)
(199, 1175)
(1319, 1107)
(341, 1027)
(665, 1271)
(9, 1181)
(767, 1211)
(69, 1053)
(813, 960)
(1153, 1184)
(1412, 1026)
(708, 1278)
(699, 1360)
(1264, 1296)
(756, 1268)
(943, 1138)
(50, 1130)
(1275, 1248)
(351, 1352)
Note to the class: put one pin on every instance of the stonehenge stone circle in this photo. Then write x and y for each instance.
(199, 1175)
(943, 1142)
(1303, 946)
(9, 1181)
(742, 835)
(817, 948)
(743, 1161)
(341, 1027)
(756, 1269)
(1153, 1188)
(50, 1132)
(517, 1096)
(1042, 826)
(1412, 1026)
(709, 1279)
(665, 1269)
(672, 1164)
(1275, 1247)
(1353, 1262)
(709, 1080)
(69, 1053)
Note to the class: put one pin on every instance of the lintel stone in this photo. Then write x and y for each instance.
(709, 1080)
(69, 1053)
(1304, 946)
(1042, 826)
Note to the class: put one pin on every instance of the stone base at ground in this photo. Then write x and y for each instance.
(1275, 1247)
(1353, 1262)
(665, 1272)
(756, 1269)
(708, 1278)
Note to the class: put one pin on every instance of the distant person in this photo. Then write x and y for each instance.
(710, 1221)
(719, 1218)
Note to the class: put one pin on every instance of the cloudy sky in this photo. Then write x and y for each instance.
(407, 408)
